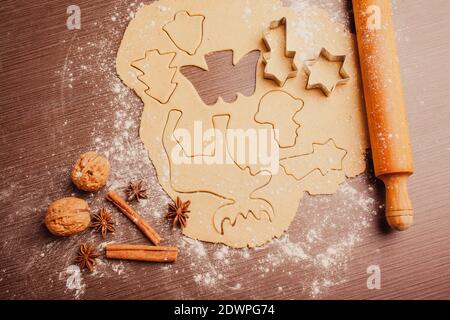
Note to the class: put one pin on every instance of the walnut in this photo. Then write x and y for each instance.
(67, 216)
(90, 172)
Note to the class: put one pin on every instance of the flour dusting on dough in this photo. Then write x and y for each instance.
(319, 249)
(320, 141)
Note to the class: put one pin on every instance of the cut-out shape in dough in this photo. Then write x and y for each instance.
(322, 72)
(286, 107)
(244, 207)
(224, 197)
(158, 74)
(183, 169)
(223, 78)
(324, 158)
(186, 31)
(279, 61)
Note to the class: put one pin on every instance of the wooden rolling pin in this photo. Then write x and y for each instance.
(385, 105)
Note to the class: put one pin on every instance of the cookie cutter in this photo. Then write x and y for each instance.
(345, 77)
(288, 54)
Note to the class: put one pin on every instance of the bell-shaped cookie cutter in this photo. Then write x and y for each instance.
(288, 54)
(345, 77)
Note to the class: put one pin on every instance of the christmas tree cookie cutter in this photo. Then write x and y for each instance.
(326, 89)
(274, 58)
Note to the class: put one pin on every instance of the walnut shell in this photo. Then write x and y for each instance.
(67, 216)
(90, 172)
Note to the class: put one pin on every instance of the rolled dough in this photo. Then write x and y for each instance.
(315, 141)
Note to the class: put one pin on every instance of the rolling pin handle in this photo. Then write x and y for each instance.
(399, 211)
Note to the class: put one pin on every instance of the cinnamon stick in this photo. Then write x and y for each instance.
(131, 214)
(141, 253)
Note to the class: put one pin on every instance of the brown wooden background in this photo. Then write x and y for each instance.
(38, 147)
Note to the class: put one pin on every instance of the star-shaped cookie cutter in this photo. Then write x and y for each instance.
(345, 77)
(288, 54)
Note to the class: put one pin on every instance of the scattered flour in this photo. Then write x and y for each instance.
(118, 268)
(326, 238)
(194, 247)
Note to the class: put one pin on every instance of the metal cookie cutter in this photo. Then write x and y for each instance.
(345, 77)
(281, 77)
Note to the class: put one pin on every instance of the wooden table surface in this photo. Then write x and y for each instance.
(59, 98)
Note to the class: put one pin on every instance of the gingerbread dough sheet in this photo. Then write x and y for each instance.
(245, 164)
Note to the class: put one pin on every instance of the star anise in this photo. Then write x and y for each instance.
(178, 212)
(86, 257)
(136, 190)
(102, 221)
